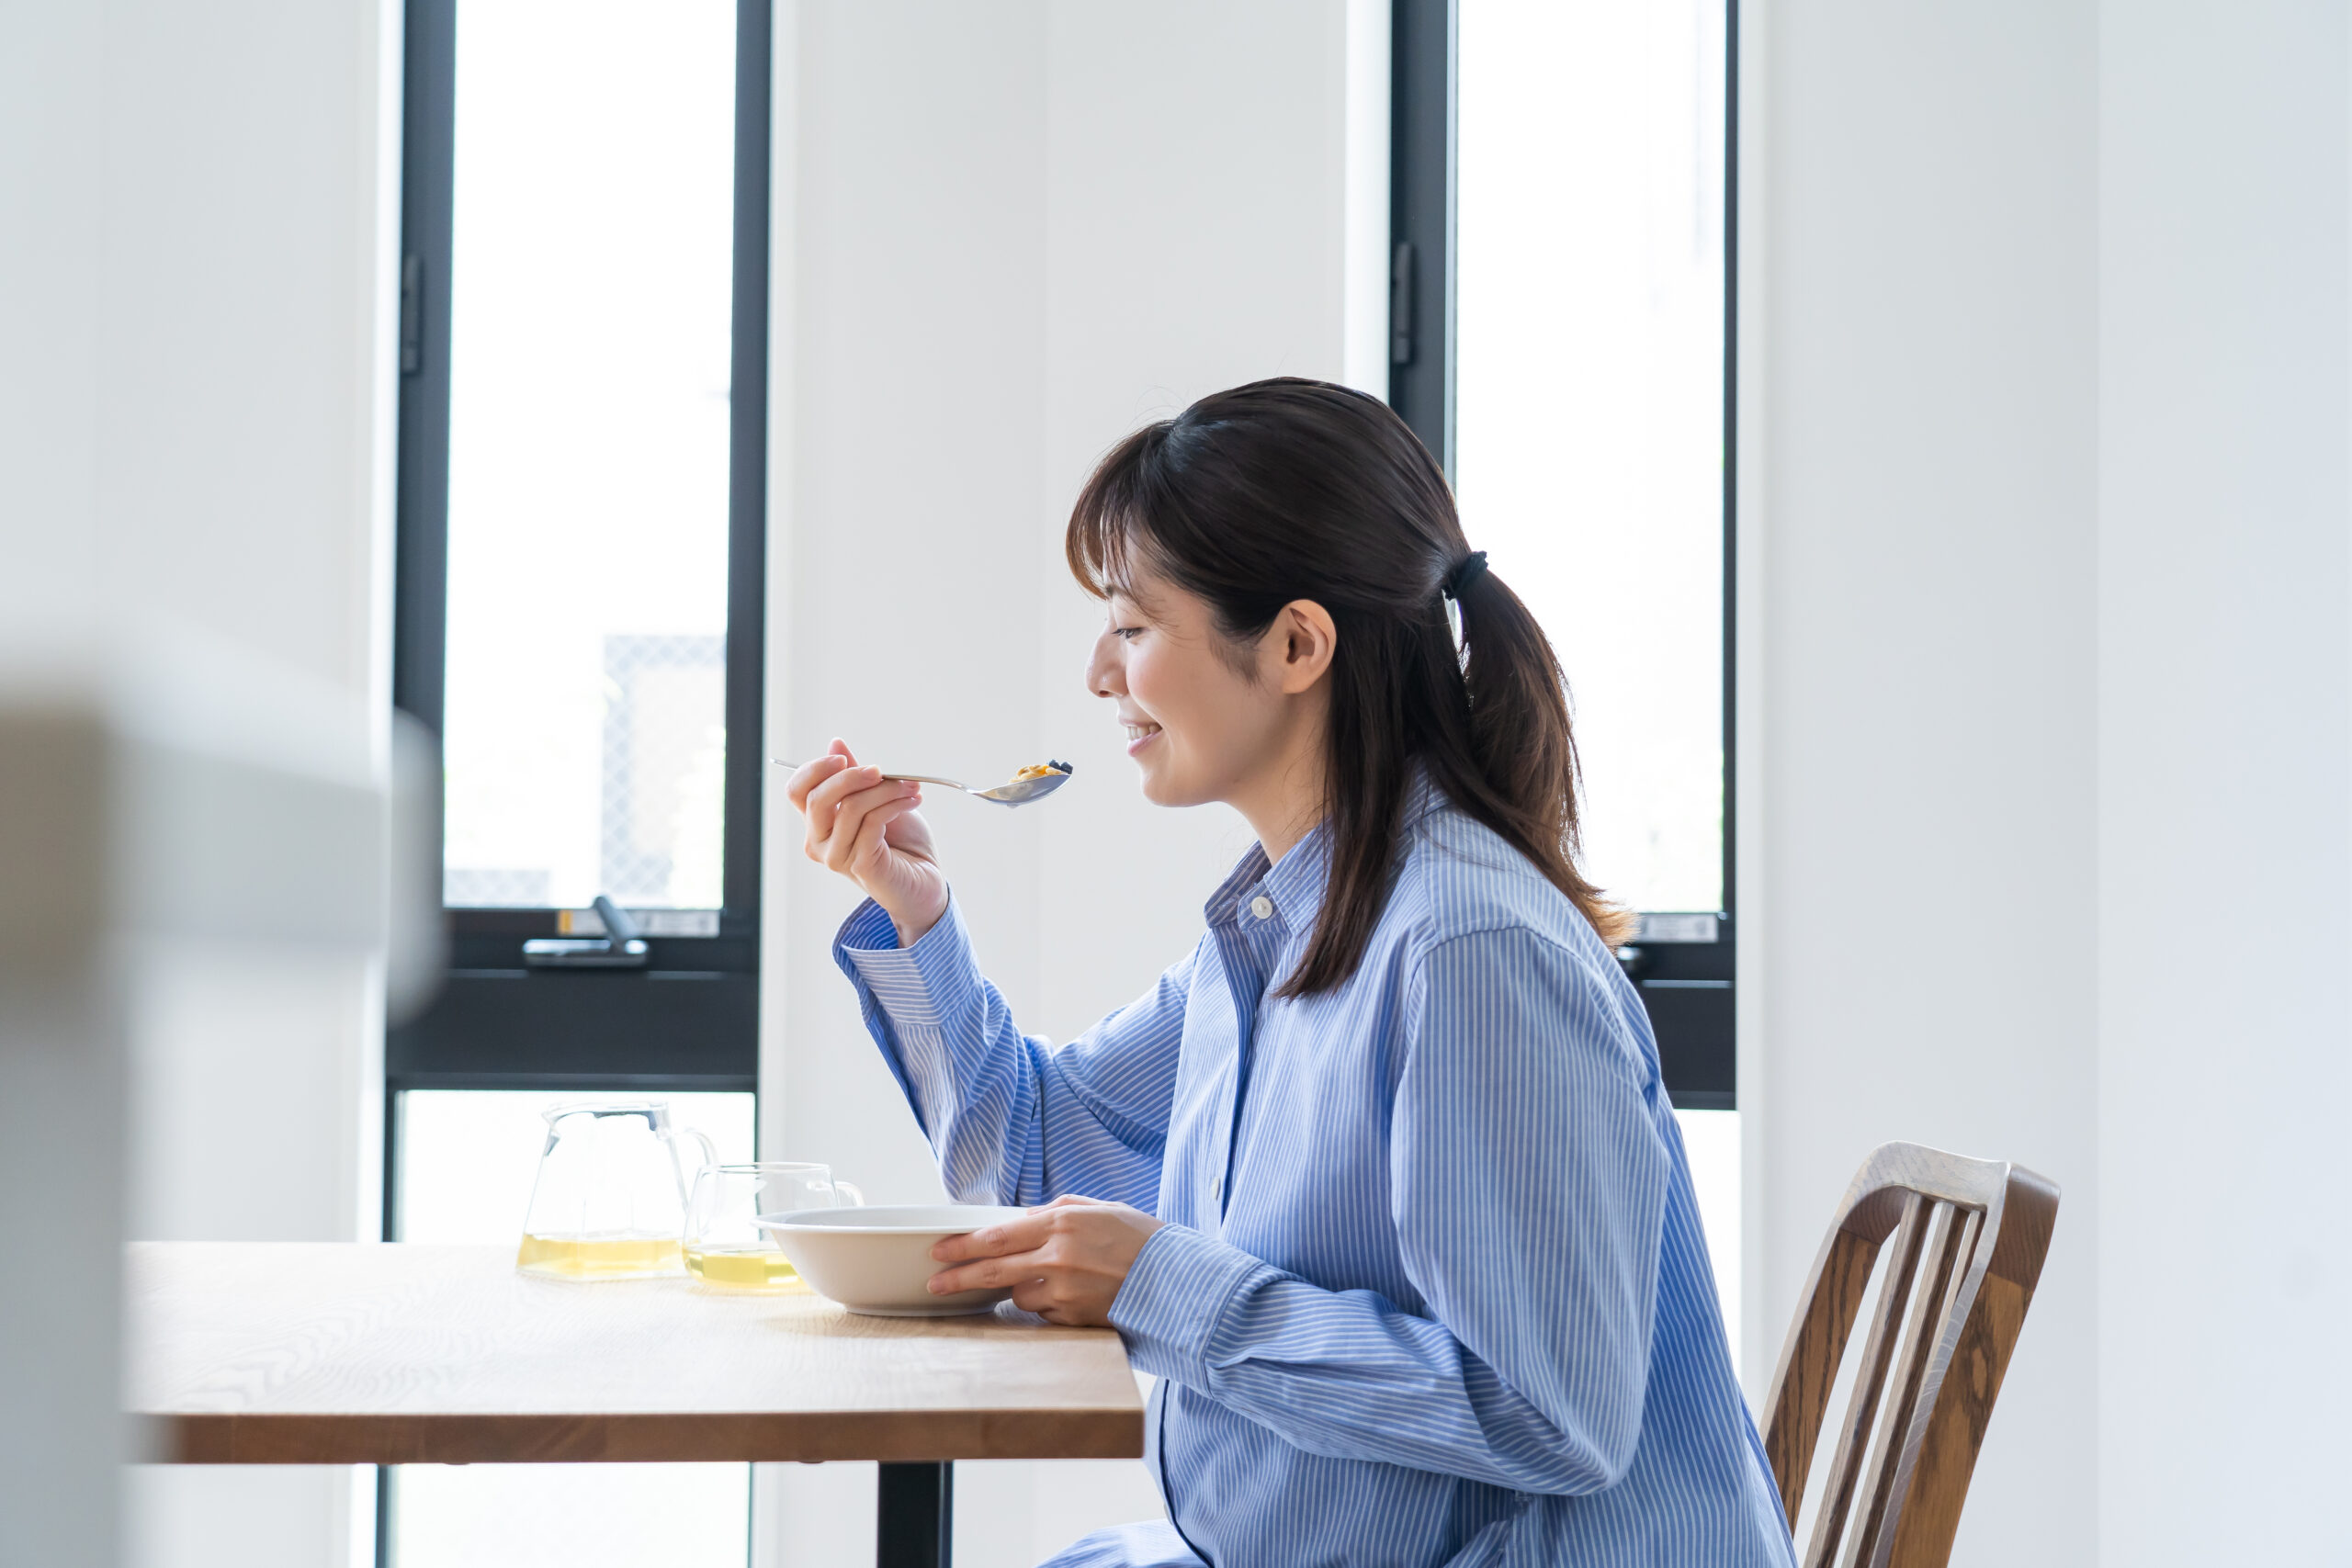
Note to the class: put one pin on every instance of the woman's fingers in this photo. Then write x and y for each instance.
(994, 1256)
(1050, 1299)
(861, 855)
(825, 803)
(836, 759)
(831, 778)
(1047, 1299)
(808, 775)
(856, 816)
(992, 1273)
(1024, 1235)
(866, 851)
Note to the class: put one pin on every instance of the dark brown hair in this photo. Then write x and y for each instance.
(1288, 490)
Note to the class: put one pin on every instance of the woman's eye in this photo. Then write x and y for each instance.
(1130, 633)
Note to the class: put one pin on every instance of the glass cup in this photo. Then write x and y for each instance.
(724, 1248)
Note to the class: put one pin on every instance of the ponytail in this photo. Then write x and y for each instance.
(1522, 747)
(1287, 489)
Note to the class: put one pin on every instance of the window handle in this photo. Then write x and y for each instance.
(411, 314)
(621, 946)
(1400, 304)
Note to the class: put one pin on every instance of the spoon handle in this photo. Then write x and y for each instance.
(894, 778)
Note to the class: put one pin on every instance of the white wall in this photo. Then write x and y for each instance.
(1926, 818)
(194, 416)
(1007, 235)
(2225, 772)
(2046, 706)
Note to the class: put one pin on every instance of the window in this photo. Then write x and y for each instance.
(1561, 338)
(1560, 207)
(579, 617)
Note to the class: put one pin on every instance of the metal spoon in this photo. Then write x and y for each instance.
(1018, 792)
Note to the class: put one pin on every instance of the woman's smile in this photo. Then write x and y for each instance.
(1140, 734)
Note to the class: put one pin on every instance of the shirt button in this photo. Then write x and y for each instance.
(1262, 906)
(1217, 1188)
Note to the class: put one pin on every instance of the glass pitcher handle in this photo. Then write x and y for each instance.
(857, 1198)
(709, 1151)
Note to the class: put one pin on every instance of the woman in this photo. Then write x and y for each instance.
(1380, 1180)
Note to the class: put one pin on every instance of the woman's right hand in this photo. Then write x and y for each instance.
(866, 828)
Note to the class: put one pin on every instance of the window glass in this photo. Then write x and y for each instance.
(1590, 397)
(585, 729)
(468, 1155)
(1710, 1146)
(572, 1516)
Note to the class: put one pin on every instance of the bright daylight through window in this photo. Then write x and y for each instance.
(591, 244)
(1589, 384)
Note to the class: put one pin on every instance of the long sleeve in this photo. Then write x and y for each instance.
(1528, 1187)
(1011, 1119)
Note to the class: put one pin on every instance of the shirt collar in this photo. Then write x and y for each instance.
(1295, 885)
(1294, 888)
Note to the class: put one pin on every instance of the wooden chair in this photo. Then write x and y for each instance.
(1969, 1236)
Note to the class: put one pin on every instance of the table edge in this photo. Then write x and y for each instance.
(808, 1437)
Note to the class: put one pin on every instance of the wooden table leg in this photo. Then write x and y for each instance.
(915, 1525)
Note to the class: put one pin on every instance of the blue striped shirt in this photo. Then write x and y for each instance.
(1432, 1288)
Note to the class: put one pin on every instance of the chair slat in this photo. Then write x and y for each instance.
(1808, 1372)
(1987, 1312)
(1944, 1332)
(1870, 1380)
(1927, 1300)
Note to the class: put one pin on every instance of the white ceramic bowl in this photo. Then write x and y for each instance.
(876, 1259)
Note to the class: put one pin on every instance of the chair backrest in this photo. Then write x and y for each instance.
(1969, 1236)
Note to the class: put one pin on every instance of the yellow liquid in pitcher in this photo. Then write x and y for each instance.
(744, 1269)
(598, 1257)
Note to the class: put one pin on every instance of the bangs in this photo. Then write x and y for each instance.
(1110, 535)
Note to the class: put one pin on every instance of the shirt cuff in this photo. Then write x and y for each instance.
(1168, 1307)
(909, 984)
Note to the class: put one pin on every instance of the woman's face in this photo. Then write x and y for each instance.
(1199, 728)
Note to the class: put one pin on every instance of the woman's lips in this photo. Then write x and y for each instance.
(1141, 736)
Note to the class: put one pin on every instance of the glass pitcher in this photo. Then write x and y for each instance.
(610, 1201)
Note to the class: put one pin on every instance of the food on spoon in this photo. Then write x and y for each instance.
(1040, 770)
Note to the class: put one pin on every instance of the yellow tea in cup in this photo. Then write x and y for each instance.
(743, 1268)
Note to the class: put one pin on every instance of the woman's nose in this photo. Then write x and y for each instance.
(1103, 676)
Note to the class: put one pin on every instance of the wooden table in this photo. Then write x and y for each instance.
(301, 1353)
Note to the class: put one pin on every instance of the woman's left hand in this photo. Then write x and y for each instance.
(1065, 1261)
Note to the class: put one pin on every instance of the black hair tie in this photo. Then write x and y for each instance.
(1472, 567)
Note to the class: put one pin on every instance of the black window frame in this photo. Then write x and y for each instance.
(689, 1019)
(1689, 987)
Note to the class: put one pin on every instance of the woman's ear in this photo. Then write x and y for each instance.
(1300, 644)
